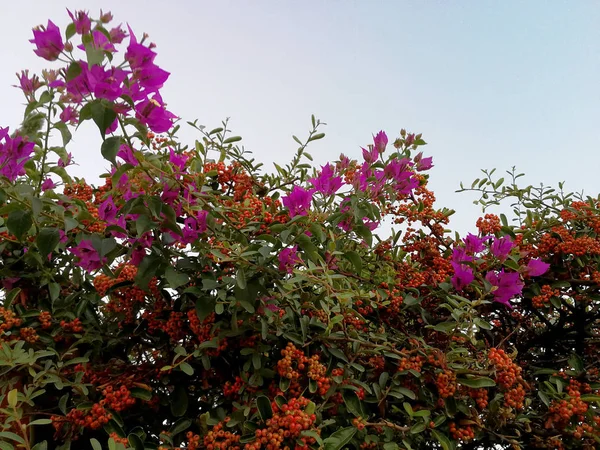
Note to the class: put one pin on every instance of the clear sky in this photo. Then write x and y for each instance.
(488, 83)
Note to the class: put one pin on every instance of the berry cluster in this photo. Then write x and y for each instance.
(561, 412)
(508, 377)
(464, 433)
(542, 300)
(446, 383)
(117, 399)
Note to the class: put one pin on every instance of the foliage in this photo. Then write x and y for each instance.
(193, 301)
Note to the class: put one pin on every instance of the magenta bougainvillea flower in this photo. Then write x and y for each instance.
(507, 285)
(69, 115)
(463, 274)
(48, 184)
(107, 210)
(474, 244)
(82, 21)
(288, 258)
(326, 182)
(178, 160)
(48, 41)
(14, 153)
(298, 201)
(88, 257)
(153, 113)
(126, 154)
(536, 267)
(422, 164)
(371, 155)
(501, 247)
(380, 141)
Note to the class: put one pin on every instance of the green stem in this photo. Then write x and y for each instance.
(45, 149)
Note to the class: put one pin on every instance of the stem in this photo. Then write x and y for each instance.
(45, 149)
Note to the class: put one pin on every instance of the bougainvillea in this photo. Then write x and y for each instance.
(193, 301)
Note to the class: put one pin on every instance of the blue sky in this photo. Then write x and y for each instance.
(489, 84)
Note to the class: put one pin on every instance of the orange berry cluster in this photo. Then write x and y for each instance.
(561, 412)
(359, 423)
(480, 396)
(202, 329)
(126, 299)
(45, 319)
(74, 326)
(28, 334)
(193, 441)
(464, 433)
(94, 418)
(489, 224)
(284, 428)
(295, 363)
(508, 377)
(117, 399)
(118, 439)
(446, 383)
(539, 301)
(9, 320)
(411, 363)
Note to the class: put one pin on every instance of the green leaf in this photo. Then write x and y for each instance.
(19, 222)
(316, 137)
(73, 71)
(576, 363)
(47, 240)
(102, 115)
(180, 426)
(443, 440)
(340, 438)
(135, 442)
(232, 139)
(264, 407)
(142, 394)
(186, 368)
(12, 398)
(64, 131)
(174, 278)
(12, 436)
(355, 259)
(110, 148)
(179, 401)
(40, 422)
(353, 403)
(240, 278)
(477, 382)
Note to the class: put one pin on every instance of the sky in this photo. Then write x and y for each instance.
(488, 83)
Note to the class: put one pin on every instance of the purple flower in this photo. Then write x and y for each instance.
(107, 84)
(48, 41)
(326, 183)
(28, 85)
(14, 153)
(137, 255)
(178, 160)
(126, 154)
(507, 285)
(463, 276)
(82, 21)
(69, 115)
(88, 257)
(48, 184)
(100, 42)
(117, 35)
(380, 141)
(170, 193)
(536, 267)
(501, 247)
(473, 243)
(423, 163)
(151, 77)
(153, 113)
(298, 201)
(371, 155)
(370, 224)
(107, 210)
(288, 258)
(65, 162)
(138, 55)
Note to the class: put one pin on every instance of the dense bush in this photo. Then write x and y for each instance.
(194, 301)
